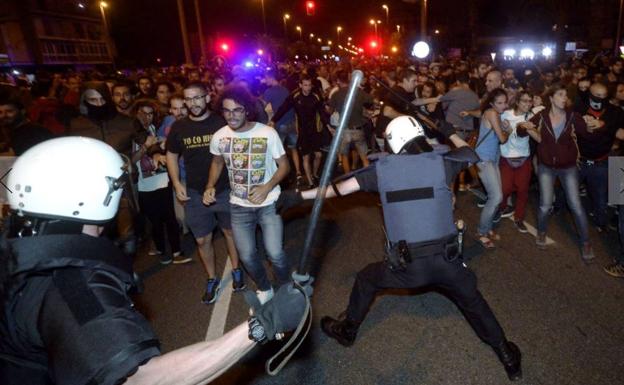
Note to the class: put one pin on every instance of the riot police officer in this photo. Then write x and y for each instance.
(66, 314)
(422, 245)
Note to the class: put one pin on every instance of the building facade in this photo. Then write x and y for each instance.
(53, 32)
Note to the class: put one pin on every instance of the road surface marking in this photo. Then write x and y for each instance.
(216, 327)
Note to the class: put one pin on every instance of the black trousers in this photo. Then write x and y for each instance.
(458, 282)
(158, 208)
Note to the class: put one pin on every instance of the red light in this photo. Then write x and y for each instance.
(373, 44)
(225, 47)
(310, 8)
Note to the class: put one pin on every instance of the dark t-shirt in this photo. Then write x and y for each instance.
(367, 178)
(597, 144)
(191, 140)
(357, 118)
(400, 100)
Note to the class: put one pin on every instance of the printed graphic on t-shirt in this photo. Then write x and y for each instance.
(246, 162)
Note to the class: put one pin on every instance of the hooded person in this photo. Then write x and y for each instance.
(422, 247)
(100, 120)
(67, 316)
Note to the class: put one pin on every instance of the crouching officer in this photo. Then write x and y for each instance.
(66, 314)
(422, 238)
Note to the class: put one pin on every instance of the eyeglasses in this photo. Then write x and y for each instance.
(195, 99)
(526, 100)
(237, 111)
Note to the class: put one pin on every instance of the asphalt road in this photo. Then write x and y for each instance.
(566, 317)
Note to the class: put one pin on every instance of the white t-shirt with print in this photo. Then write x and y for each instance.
(515, 146)
(250, 160)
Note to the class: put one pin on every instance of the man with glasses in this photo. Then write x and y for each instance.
(190, 137)
(256, 163)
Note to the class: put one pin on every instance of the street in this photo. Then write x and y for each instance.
(565, 317)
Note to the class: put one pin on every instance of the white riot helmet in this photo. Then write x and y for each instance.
(403, 130)
(73, 178)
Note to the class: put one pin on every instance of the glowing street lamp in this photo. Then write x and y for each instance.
(319, 40)
(398, 29)
(338, 30)
(394, 49)
(285, 19)
(374, 24)
(385, 7)
(298, 28)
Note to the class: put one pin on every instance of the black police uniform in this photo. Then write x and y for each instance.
(422, 247)
(67, 318)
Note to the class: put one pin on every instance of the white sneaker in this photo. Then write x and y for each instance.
(264, 296)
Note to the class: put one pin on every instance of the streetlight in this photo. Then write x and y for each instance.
(374, 24)
(338, 29)
(285, 19)
(311, 36)
(263, 17)
(319, 40)
(385, 7)
(103, 5)
(398, 29)
(437, 31)
(298, 28)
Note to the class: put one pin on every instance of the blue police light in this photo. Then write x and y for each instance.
(249, 64)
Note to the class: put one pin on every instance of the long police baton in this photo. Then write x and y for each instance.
(301, 277)
(356, 78)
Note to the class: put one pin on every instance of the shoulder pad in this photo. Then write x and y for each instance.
(462, 154)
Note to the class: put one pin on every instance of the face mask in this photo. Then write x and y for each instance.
(596, 103)
(97, 113)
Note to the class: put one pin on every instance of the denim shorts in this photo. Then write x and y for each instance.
(202, 219)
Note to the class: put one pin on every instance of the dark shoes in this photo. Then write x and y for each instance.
(238, 282)
(509, 355)
(343, 331)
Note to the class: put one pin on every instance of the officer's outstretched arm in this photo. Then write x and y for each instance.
(346, 187)
(199, 363)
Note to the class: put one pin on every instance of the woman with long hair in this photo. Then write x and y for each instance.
(557, 154)
(515, 163)
(491, 135)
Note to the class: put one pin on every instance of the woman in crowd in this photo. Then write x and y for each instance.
(491, 135)
(515, 163)
(155, 194)
(557, 154)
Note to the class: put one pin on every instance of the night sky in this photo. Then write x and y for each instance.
(146, 29)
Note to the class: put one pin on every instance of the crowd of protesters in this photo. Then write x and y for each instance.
(549, 125)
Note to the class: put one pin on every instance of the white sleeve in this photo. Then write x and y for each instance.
(275, 147)
(214, 143)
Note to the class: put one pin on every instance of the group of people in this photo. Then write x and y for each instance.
(206, 149)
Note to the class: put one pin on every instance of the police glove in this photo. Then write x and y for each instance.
(281, 314)
(445, 128)
(287, 200)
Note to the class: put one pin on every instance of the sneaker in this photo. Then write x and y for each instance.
(179, 258)
(507, 212)
(510, 356)
(264, 296)
(212, 291)
(615, 270)
(463, 187)
(238, 282)
(165, 259)
(521, 226)
(497, 216)
(481, 203)
(587, 253)
(540, 241)
(154, 252)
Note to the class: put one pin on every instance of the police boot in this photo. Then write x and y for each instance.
(509, 355)
(344, 331)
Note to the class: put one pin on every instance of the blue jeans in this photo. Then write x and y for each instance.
(597, 178)
(569, 179)
(244, 223)
(489, 173)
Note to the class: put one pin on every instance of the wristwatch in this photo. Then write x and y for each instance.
(256, 331)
